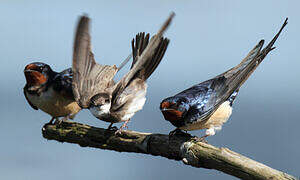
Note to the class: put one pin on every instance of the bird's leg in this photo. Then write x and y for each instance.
(201, 139)
(179, 132)
(50, 122)
(119, 131)
(59, 121)
(209, 132)
(112, 128)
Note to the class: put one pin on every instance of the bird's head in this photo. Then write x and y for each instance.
(37, 74)
(174, 108)
(100, 104)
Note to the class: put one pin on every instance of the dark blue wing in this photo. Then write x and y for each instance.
(62, 83)
(203, 97)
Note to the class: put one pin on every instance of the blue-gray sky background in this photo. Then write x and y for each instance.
(207, 38)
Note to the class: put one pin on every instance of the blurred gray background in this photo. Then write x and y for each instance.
(207, 38)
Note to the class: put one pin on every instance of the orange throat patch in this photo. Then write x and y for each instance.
(35, 78)
(172, 114)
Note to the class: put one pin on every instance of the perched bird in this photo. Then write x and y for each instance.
(93, 84)
(209, 104)
(50, 91)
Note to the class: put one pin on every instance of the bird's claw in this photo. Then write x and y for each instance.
(59, 122)
(51, 122)
(119, 131)
(112, 128)
(178, 132)
(201, 139)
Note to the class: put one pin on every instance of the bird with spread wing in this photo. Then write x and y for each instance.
(93, 84)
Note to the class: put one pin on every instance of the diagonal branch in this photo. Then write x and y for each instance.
(191, 152)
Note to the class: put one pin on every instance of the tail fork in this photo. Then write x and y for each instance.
(139, 44)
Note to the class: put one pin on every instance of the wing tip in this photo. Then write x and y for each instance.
(166, 24)
(260, 43)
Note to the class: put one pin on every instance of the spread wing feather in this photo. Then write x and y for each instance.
(89, 78)
(148, 52)
(62, 83)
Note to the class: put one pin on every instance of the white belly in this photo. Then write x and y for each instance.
(220, 116)
(136, 105)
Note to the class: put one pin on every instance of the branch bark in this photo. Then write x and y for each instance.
(191, 152)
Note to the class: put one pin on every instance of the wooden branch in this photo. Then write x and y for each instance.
(191, 152)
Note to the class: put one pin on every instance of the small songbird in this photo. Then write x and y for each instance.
(209, 104)
(93, 84)
(50, 91)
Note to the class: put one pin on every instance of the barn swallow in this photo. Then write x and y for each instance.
(209, 104)
(50, 91)
(93, 85)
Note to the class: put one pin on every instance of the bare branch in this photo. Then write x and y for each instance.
(191, 152)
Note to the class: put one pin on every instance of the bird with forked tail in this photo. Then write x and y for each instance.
(92, 85)
(208, 105)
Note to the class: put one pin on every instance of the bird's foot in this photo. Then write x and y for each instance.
(60, 121)
(200, 139)
(112, 128)
(119, 131)
(179, 132)
(51, 122)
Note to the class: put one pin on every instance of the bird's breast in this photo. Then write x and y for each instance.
(135, 105)
(132, 100)
(54, 103)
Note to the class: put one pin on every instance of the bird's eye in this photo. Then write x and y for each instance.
(106, 100)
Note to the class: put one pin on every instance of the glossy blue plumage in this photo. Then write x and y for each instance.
(200, 99)
(207, 105)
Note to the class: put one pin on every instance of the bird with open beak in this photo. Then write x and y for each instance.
(92, 85)
(50, 91)
(208, 105)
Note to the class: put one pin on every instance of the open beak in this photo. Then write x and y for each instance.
(34, 77)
